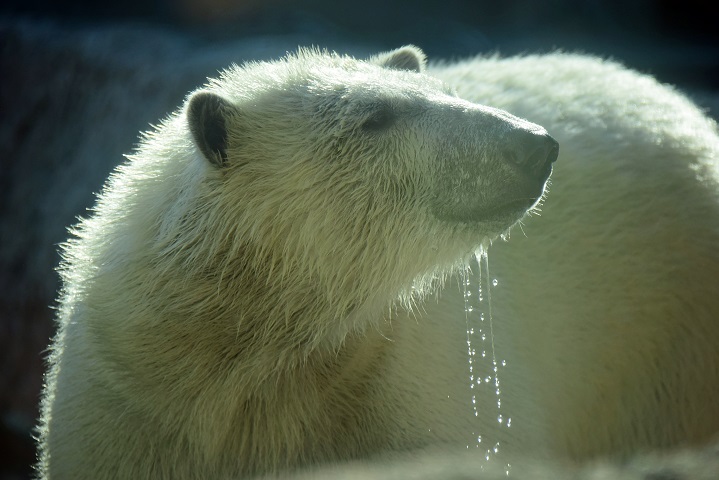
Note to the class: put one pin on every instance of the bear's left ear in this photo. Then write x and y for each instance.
(207, 115)
(408, 57)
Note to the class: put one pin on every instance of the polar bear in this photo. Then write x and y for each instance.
(270, 281)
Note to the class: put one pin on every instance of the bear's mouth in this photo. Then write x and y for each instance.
(506, 212)
(504, 207)
(501, 216)
(497, 207)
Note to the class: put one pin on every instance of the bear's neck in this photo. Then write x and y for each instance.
(247, 308)
(244, 351)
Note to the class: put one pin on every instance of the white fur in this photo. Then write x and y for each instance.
(280, 312)
(607, 309)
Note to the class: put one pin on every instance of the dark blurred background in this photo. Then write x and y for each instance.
(79, 79)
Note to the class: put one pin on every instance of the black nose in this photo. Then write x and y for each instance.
(533, 151)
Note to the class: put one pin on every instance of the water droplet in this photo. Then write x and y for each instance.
(480, 324)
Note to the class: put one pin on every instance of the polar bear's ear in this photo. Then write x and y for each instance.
(207, 117)
(408, 57)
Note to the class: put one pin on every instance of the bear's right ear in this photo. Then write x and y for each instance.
(207, 117)
(408, 57)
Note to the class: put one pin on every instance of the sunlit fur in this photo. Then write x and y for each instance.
(232, 320)
(607, 309)
(288, 310)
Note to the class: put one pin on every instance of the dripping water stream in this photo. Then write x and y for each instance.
(482, 357)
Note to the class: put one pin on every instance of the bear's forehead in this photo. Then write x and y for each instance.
(364, 76)
(328, 75)
(372, 79)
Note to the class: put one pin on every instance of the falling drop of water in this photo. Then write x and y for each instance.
(479, 322)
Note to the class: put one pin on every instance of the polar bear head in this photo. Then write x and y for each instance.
(362, 174)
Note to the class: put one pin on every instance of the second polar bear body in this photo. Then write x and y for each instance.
(604, 311)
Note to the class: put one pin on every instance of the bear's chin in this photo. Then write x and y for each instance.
(495, 217)
(509, 212)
